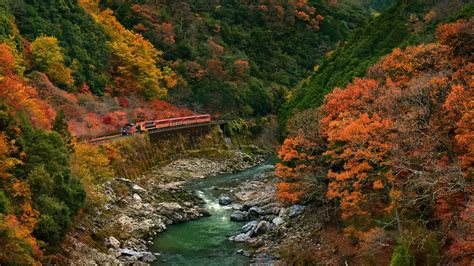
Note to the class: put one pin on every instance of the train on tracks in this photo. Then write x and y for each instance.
(139, 127)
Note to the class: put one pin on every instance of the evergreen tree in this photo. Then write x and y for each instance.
(60, 125)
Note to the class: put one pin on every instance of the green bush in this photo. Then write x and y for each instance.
(401, 255)
(47, 230)
(4, 203)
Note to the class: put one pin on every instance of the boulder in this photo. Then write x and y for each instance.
(224, 200)
(136, 198)
(247, 205)
(239, 216)
(168, 208)
(129, 252)
(256, 211)
(277, 221)
(138, 189)
(241, 237)
(249, 226)
(203, 212)
(113, 242)
(295, 210)
(263, 227)
(125, 221)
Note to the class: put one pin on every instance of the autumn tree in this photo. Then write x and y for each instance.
(302, 170)
(91, 165)
(17, 245)
(135, 60)
(47, 57)
(18, 95)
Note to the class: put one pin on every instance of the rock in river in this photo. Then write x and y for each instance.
(239, 216)
(241, 237)
(224, 200)
(249, 226)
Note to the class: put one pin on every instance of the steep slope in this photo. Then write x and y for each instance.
(239, 56)
(406, 22)
(388, 161)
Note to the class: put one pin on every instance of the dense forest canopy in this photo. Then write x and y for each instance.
(404, 23)
(392, 153)
(239, 56)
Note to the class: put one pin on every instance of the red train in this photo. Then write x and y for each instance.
(144, 126)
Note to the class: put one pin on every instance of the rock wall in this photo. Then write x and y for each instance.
(137, 155)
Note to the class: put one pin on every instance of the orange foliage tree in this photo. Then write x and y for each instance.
(20, 96)
(400, 144)
(302, 170)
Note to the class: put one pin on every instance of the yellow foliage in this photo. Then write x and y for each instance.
(134, 58)
(91, 165)
(47, 57)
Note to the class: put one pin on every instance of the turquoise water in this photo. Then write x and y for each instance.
(205, 241)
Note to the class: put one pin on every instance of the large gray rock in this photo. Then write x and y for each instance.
(136, 198)
(138, 189)
(249, 226)
(224, 200)
(256, 211)
(241, 237)
(247, 205)
(239, 216)
(129, 252)
(295, 210)
(168, 208)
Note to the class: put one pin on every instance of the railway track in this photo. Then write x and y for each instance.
(109, 138)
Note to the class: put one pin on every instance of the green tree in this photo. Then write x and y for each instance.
(4, 203)
(60, 125)
(57, 195)
(40, 182)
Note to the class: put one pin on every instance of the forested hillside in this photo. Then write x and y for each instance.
(389, 158)
(239, 56)
(404, 23)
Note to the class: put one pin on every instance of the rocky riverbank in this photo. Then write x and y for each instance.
(267, 222)
(135, 211)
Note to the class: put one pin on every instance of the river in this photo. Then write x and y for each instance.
(205, 241)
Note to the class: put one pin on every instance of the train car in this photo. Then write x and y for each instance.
(144, 126)
(129, 128)
(162, 123)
